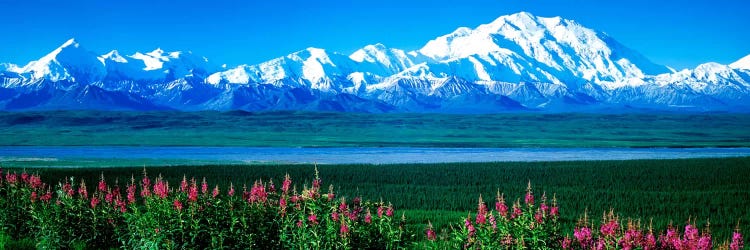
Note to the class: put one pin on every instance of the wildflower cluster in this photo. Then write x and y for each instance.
(153, 213)
(526, 225)
(613, 235)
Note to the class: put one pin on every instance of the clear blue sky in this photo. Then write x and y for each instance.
(676, 33)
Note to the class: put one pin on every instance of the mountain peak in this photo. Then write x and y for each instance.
(70, 42)
(115, 56)
(743, 63)
(521, 15)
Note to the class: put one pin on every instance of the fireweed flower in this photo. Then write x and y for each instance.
(82, 190)
(11, 178)
(24, 177)
(184, 184)
(47, 196)
(121, 205)
(313, 219)
(177, 205)
(649, 242)
(344, 229)
(737, 242)
(493, 221)
(215, 192)
(705, 243)
(102, 187)
(330, 193)
(430, 233)
(33, 196)
(316, 184)
(131, 193)
(145, 186)
(470, 227)
(258, 193)
(108, 197)
(271, 187)
(335, 216)
(204, 186)
(631, 238)
(554, 211)
(500, 205)
(342, 206)
(94, 201)
(286, 184)
(600, 244)
(566, 242)
(35, 182)
(231, 190)
(368, 217)
(68, 189)
(481, 217)
(516, 211)
(193, 191)
(160, 188)
(539, 216)
(608, 229)
(529, 198)
(583, 235)
(691, 233)
(389, 211)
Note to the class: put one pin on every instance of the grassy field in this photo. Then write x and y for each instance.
(663, 190)
(284, 129)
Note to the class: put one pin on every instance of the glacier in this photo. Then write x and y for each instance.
(516, 63)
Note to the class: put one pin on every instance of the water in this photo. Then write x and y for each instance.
(357, 155)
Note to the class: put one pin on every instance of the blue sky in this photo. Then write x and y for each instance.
(676, 33)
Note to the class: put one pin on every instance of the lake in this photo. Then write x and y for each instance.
(52, 154)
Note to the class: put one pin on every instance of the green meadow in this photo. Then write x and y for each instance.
(303, 129)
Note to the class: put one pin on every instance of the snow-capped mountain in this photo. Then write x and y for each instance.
(743, 63)
(518, 62)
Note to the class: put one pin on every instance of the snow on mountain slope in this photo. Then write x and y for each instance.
(545, 47)
(743, 63)
(172, 65)
(381, 60)
(704, 76)
(9, 67)
(68, 62)
(312, 67)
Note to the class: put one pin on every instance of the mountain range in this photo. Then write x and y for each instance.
(516, 63)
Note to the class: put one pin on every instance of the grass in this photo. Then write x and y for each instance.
(304, 129)
(660, 190)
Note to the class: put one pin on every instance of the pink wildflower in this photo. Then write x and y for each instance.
(102, 187)
(344, 229)
(177, 205)
(313, 219)
(82, 190)
(215, 192)
(737, 242)
(529, 199)
(368, 217)
(286, 184)
(94, 201)
(583, 235)
(430, 233)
